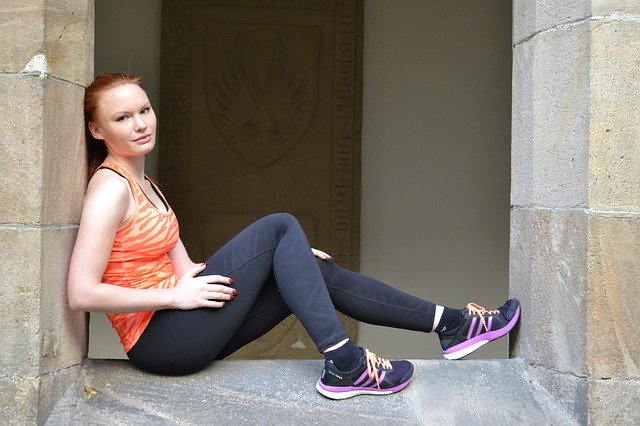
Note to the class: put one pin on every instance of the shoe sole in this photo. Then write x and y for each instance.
(465, 348)
(334, 392)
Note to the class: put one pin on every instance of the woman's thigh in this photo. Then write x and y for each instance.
(180, 342)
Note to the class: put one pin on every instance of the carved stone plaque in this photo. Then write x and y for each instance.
(261, 112)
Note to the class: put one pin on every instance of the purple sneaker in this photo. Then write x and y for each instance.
(374, 376)
(478, 328)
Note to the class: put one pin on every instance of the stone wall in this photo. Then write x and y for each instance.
(575, 218)
(45, 61)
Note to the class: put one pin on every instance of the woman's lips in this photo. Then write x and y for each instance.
(143, 138)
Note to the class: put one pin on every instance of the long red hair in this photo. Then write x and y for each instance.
(96, 149)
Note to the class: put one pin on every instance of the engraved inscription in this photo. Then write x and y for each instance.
(343, 142)
(175, 98)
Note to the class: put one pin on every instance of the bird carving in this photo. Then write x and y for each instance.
(261, 90)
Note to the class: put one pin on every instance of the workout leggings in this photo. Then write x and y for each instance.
(275, 275)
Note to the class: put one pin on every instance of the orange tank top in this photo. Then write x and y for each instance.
(139, 256)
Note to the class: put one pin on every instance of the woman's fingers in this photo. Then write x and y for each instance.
(210, 291)
(214, 304)
(217, 279)
(196, 270)
(320, 254)
(220, 292)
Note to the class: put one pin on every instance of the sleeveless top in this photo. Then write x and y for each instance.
(139, 256)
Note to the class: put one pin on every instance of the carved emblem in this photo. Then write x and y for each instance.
(262, 84)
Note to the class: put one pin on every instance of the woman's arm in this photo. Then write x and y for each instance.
(180, 259)
(107, 207)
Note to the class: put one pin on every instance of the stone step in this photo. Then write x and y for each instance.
(283, 392)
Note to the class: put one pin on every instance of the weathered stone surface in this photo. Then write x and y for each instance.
(21, 133)
(53, 386)
(42, 143)
(614, 169)
(64, 161)
(614, 402)
(62, 31)
(63, 332)
(282, 392)
(614, 271)
(533, 16)
(550, 119)
(19, 401)
(616, 9)
(21, 34)
(568, 390)
(20, 301)
(39, 133)
(69, 39)
(548, 274)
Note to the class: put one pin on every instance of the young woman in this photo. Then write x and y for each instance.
(175, 316)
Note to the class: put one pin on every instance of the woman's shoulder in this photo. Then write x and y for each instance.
(106, 187)
(108, 180)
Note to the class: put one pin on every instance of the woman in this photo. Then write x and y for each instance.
(175, 316)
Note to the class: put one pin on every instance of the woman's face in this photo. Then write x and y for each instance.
(125, 121)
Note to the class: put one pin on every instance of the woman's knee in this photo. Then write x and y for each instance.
(282, 217)
(282, 221)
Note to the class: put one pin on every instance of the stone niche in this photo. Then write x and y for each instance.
(261, 113)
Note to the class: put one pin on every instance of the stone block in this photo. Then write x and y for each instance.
(55, 386)
(568, 390)
(21, 132)
(550, 119)
(614, 268)
(247, 392)
(614, 402)
(21, 34)
(533, 16)
(20, 301)
(548, 274)
(63, 331)
(62, 31)
(19, 401)
(64, 163)
(69, 39)
(42, 143)
(614, 169)
(616, 9)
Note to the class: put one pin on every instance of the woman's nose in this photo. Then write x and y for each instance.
(140, 124)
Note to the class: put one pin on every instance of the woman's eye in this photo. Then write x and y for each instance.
(121, 118)
(145, 110)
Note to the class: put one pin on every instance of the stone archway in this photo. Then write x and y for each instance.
(574, 228)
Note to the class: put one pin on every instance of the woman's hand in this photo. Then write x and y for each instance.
(320, 254)
(207, 291)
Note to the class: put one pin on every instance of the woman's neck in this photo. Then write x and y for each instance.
(134, 165)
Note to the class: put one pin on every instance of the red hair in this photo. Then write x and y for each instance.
(96, 149)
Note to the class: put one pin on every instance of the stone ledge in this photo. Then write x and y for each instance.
(282, 392)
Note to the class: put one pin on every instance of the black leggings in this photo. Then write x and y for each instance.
(275, 275)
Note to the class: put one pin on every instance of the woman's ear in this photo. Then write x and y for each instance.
(95, 131)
